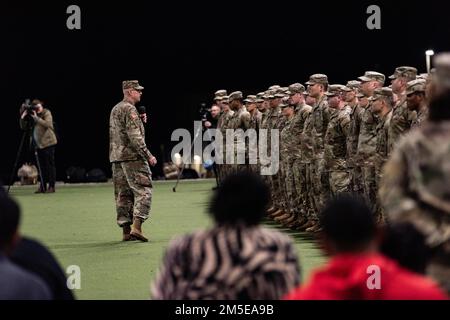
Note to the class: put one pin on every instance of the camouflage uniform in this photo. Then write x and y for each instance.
(319, 117)
(366, 151)
(307, 160)
(298, 167)
(401, 121)
(415, 185)
(352, 141)
(239, 120)
(223, 125)
(336, 150)
(129, 156)
(422, 116)
(220, 96)
(255, 123)
(415, 188)
(417, 86)
(402, 117)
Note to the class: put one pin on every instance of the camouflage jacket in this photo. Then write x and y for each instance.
(319, 119)
(126, 134)
(353, 134)
(336, 139)
(401, 121)
(415, 186)
(240, 120)
(367, 137)
(381, 149)
(422, 116)
(306, 141)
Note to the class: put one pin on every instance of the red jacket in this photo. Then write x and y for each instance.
(349, 276)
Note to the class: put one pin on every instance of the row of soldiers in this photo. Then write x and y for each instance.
(332, 138)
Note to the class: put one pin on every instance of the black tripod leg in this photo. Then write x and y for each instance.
(16, 162)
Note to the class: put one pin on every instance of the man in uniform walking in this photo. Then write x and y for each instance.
(130, 160)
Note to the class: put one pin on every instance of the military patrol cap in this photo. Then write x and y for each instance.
(236, 95)
(274, 87)
(334, 89)
(250, 99)
(442, 73)
(296, 88)
(423, 76)
(219, 94)
(404, 71)
(225, 99)
(417, 85)
(381, 92)
(279, 95)
(372, 76)
(352, 85)
(131, 84)
(317, 78)
(260, 96)
(270, 94)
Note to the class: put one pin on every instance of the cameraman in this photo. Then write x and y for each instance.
(38, 119)
(212, 117)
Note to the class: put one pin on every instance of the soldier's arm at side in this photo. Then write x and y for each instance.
(134, 135)
(393, 191)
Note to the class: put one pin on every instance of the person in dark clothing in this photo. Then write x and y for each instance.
(16, 283)
(34, 257)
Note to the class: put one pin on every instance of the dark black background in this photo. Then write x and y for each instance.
(183, 52)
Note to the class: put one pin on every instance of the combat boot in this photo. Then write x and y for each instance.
(126, 236)
(271, 210)
(291, 219)
(277, 213)
(314, 228)
(282, 217)
(137, 230)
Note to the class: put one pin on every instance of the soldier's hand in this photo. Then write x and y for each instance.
(144, 117)
(24, 114)
(152, 161)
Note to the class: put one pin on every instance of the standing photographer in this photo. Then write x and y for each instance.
(40, 121)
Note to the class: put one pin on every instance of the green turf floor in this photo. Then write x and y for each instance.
(77, 223)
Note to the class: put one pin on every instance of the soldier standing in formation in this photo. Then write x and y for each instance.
(337, 144)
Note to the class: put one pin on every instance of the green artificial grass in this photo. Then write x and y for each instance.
(77, 223)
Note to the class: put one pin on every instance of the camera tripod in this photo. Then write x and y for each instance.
(28, 132)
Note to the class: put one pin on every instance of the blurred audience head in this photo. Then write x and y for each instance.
(348, 226)
(9, 222)
(241, 199)
(403, 243)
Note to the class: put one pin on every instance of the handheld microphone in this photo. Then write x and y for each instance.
(142, 111)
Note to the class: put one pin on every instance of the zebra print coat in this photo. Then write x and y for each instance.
(228, 263)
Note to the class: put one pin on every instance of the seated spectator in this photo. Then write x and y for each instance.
(236, 258)
(403, 243)
(34, 257)
(356, 269)
(15, 283)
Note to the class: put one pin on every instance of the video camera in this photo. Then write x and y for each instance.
(28, 106)
(205, 113)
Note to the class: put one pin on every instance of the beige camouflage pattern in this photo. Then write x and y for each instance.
(401, 121)
(335, 153)
(126, 134)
